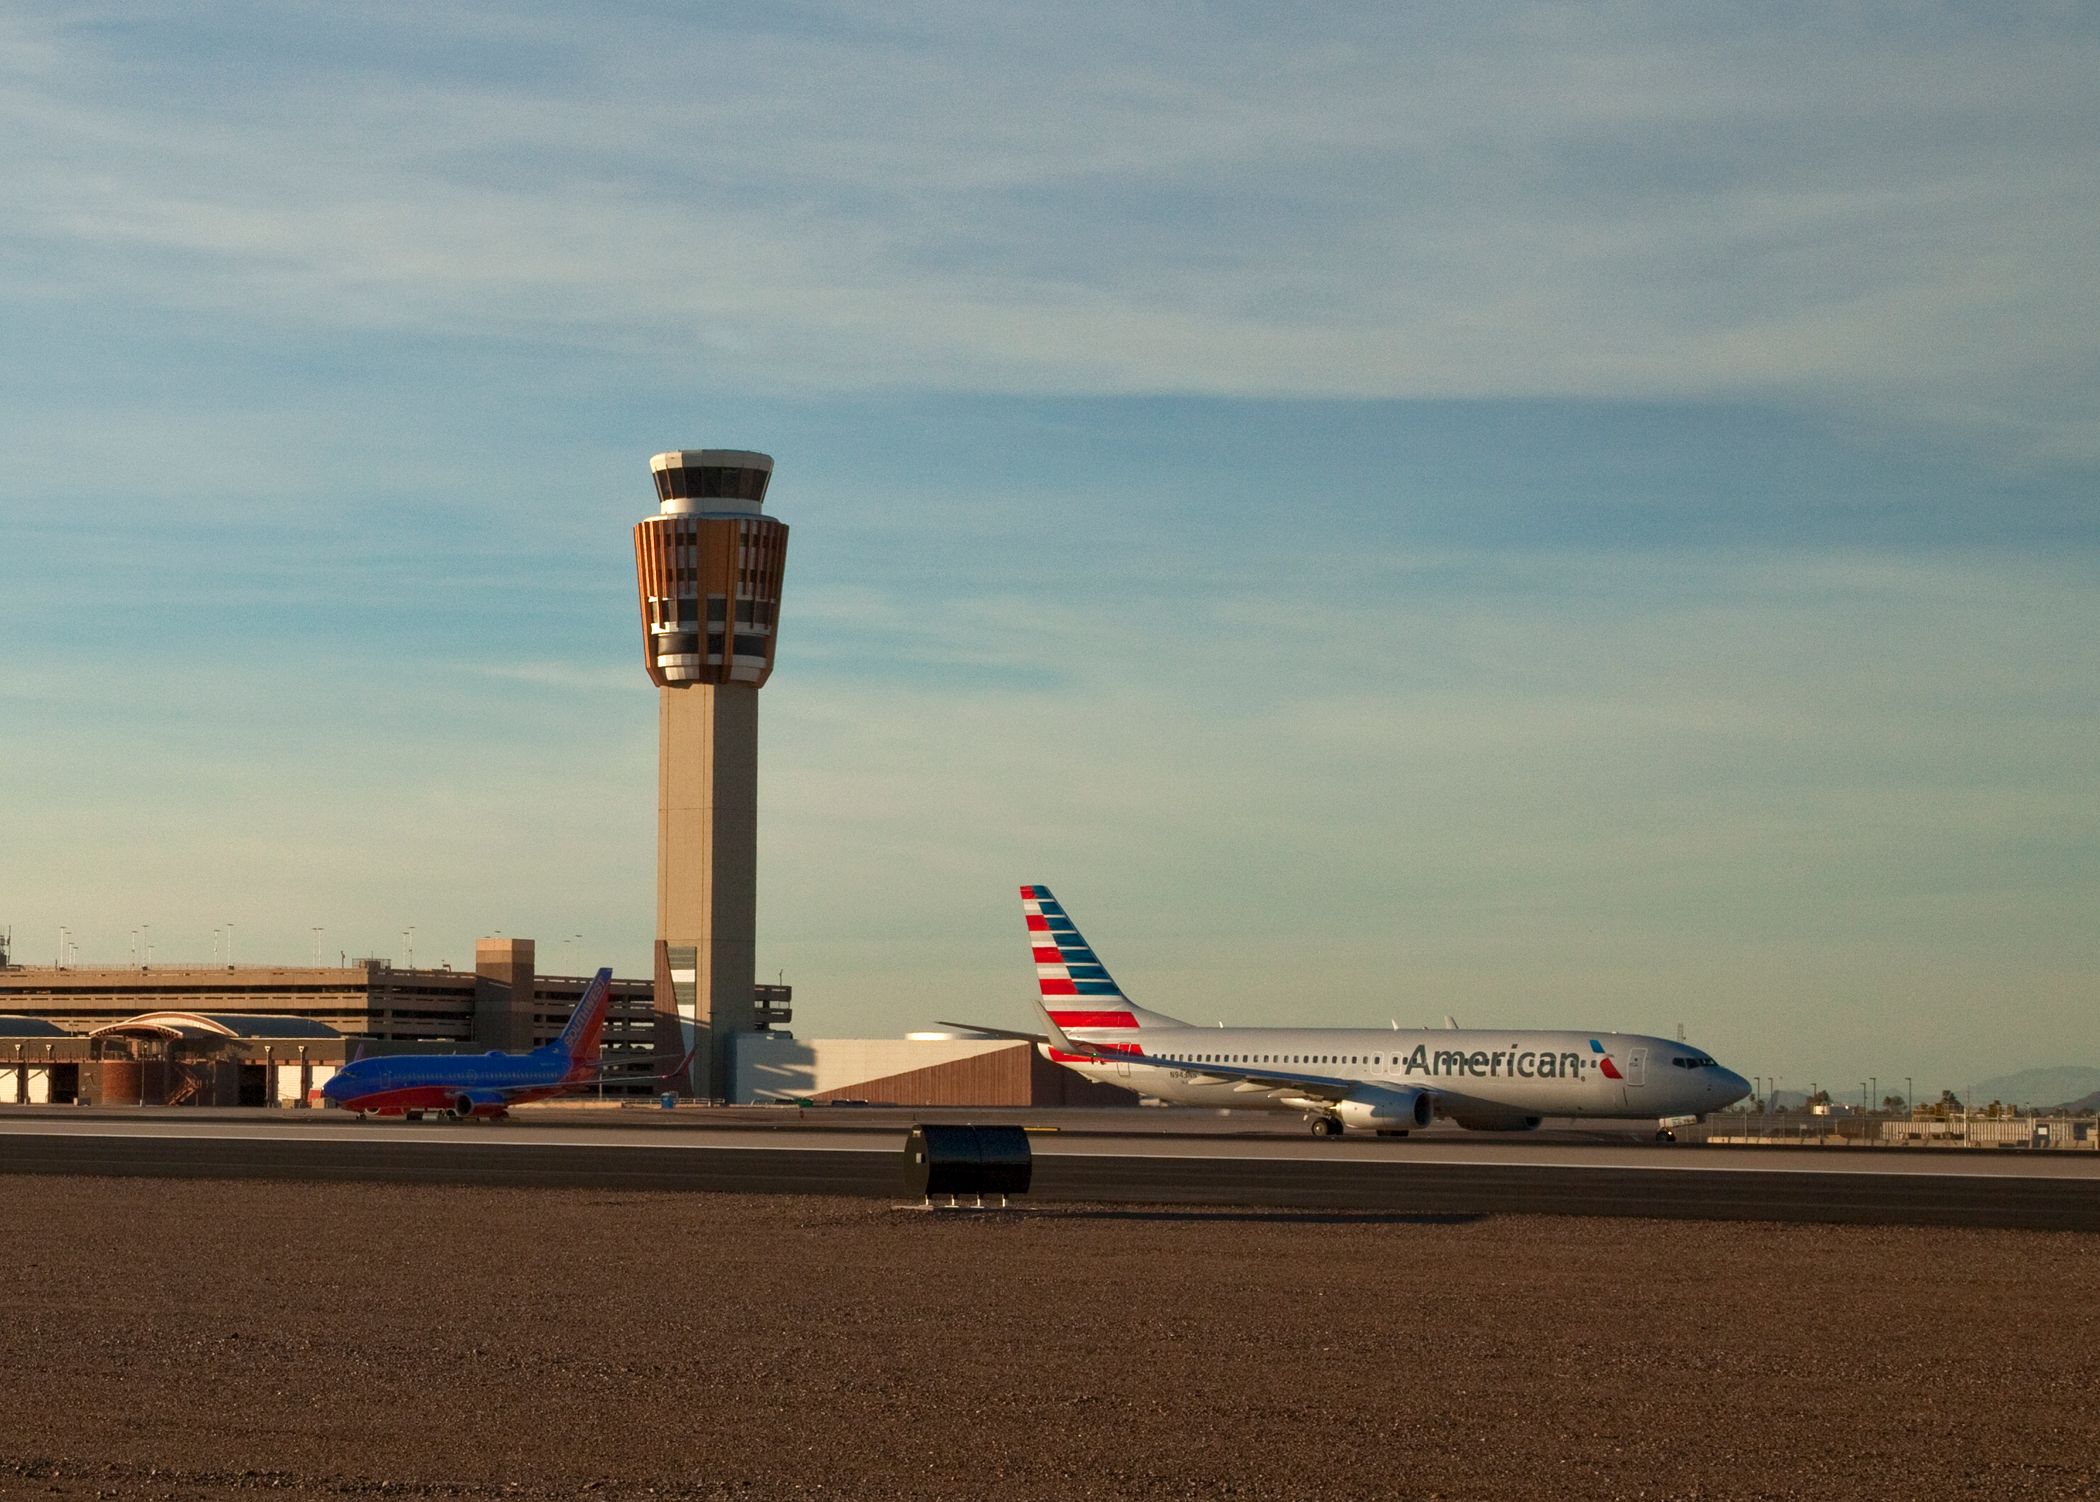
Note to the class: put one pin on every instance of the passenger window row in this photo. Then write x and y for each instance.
(1374, 1060)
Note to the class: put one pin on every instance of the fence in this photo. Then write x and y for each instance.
(1900, 1129)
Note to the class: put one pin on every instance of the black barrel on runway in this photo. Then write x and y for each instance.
(975, 1160)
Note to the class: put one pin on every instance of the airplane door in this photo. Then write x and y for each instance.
(1636, 1069)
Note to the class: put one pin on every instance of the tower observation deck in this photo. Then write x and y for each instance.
(708, 568)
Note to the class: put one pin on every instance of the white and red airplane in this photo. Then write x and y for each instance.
(1391, 1081)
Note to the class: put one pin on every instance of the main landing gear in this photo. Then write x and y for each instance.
(1327, 1126)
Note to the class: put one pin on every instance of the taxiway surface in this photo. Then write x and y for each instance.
(2040, 1191)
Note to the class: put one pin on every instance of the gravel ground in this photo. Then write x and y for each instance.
(196, 1339)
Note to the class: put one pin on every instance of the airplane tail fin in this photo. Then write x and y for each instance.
(1073, 987)
(580, 1038)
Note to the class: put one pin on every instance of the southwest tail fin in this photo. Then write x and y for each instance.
(580, 1038)
(1073, 987)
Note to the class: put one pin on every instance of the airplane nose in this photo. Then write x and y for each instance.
(1732, 1086)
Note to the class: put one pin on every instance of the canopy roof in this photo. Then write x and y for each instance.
(216, 1025)
(30, 1027)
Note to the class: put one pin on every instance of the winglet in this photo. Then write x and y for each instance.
(671, 1075)
(1062, 1043)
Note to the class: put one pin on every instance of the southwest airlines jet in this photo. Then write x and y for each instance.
(1391, 1082)
(480, 1086)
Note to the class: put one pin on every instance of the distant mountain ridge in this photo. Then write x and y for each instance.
(2052, 1086)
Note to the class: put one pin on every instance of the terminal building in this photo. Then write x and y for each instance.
(258, 1034)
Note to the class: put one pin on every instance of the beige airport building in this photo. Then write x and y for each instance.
(263, 1034)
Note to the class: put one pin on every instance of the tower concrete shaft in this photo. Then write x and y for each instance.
(709, 569)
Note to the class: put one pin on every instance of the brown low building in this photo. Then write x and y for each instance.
(921, 1069)
(167, 1059)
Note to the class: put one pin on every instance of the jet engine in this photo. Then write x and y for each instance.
(1496, 1121)
(466, 1104)
(1386, 1108)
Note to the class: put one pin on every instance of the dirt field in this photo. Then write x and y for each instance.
(212, 1340)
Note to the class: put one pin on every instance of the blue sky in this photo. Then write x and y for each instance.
(1558, 514)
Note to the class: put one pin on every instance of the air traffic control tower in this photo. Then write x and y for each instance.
(708, 566)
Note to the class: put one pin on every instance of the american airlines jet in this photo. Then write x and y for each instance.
(1388, 1081)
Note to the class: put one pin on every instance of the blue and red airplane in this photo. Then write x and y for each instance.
(481, 1086)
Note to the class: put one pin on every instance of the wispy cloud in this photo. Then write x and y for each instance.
(1832, 206)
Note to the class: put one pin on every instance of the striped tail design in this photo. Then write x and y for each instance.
(1074, 988)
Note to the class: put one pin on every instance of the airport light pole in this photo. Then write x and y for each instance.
(1910, 1097)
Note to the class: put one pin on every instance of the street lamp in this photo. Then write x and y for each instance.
(1910, 1097)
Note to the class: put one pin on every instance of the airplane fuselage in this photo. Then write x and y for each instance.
(1490, 1078)
(489, 1083)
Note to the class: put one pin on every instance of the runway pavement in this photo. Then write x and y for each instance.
(2042, 1191)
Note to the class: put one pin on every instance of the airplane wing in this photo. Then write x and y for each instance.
(629, 1077)
(1249, 1079)
(1283, 1084)
(997, 1032)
